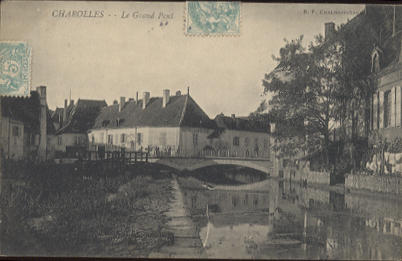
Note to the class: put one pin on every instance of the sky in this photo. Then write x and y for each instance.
(106, 58)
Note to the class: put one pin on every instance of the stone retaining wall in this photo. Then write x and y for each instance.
(387, 184)
(317, 177)
(311, 176)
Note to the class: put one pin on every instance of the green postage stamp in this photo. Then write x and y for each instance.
(15, 68)
(212, 18)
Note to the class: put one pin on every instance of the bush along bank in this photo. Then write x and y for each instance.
(55, 210)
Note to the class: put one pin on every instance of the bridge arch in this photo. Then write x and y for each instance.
(263, 165)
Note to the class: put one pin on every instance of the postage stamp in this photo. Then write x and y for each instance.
(212, 18)
(15, 68)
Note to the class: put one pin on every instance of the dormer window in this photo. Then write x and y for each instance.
(119, 122)
(375, 60)
(105, 123)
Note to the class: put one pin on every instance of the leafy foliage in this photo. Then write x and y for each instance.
(314, 89)
(58, 210)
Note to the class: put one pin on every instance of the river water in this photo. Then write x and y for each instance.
(281, 220)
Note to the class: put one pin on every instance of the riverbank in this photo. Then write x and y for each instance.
(341, 189)
(56, 210)
(187, 242)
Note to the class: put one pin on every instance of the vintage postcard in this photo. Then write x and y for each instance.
(200, 130)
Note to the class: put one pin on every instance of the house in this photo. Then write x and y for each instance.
(173, 125)
(57, 117)
(26, 128)
(386, 101)
(74, 121)
(240, 137)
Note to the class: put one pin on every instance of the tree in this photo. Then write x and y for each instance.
(305, 88)
(315, 89)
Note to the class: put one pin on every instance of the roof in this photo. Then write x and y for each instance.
(81, 116)
(216, 133)
(392, 51)
(206, 148)
(26, 110)
(374, 26)
(239, 123)
(181, 110)
(57, 114)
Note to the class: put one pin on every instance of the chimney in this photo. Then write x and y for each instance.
(42, 124)
(122, 102)
(65, 112)
(72, 102)
(130, 99)
(329, 31)
(115, 102)
(145, 100)
(136, 100)
(166, 98)
(178, 93)
(233, 116)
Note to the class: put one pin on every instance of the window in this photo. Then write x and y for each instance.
(123, 138)
(387, 108)
(162, 138)
(246, 142)
(236, 141)
(139, 138)
(388, 227)
(16, 131)
(59, 140)
(265, 143)
(398, 106)
(76, 140)
(102, 135)
(256, 142)
(195, 138)
(375, 111)
(116, 138)
(109, 139)
(105, 123)
(119, 122)
(31, 138)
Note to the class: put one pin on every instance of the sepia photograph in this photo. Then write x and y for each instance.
(212, 130)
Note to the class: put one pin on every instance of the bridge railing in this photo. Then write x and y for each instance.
(208, 153)
(130, 155)
(111, 159)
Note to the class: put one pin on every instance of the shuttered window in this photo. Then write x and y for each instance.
(381, 110)
(398, 106)
(375, 111)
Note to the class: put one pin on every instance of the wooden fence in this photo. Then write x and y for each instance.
(114, 158)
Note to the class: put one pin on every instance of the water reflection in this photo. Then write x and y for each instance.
(288, 221)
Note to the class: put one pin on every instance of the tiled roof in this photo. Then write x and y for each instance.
(216, 133)
(57, 114)
(81, 116)
(26, 110)
(181, 110)
(392, 51)
(240, 124)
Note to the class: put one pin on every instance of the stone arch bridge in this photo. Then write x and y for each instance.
(180, 163)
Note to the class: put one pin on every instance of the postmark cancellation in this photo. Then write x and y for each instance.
(15, 68)
(212, 18)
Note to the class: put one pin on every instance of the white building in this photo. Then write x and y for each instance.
(173, 125)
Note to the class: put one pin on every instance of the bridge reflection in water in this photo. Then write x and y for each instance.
(284, 220)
